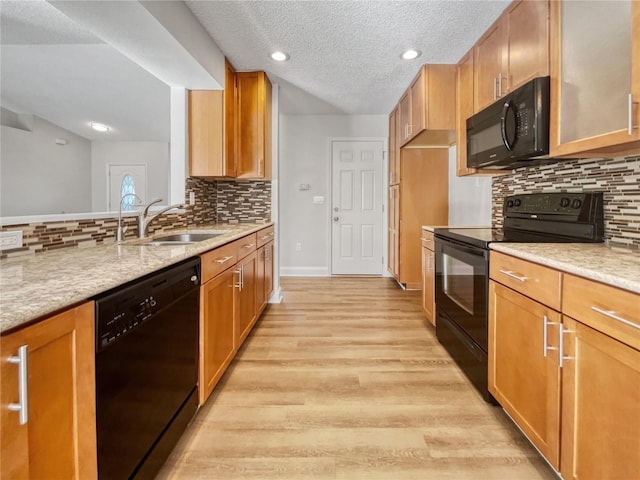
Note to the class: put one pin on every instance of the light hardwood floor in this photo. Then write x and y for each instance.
(343, 380)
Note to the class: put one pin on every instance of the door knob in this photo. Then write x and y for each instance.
(335, 209)
(335, 219)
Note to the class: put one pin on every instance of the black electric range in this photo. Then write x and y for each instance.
(462, 266)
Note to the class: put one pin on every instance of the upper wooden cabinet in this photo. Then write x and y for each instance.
(394, 149)
(427, 109)
(595, 78)
(58, 438)
(512, 51)
(253, 114)
(230, 128)
(206, 144)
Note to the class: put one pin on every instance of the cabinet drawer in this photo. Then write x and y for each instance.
(217, 261)
(428, 239)
(530, 279)
(246, 245)
(265, 236)
(609, 310)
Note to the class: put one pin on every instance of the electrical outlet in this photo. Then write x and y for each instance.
(10, 239)
(298, 247)
(192, 198)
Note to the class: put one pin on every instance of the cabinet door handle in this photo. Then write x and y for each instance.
(612, 314)
(259, 167)
(513, 275)
(495, 88)
(630, 125)
(561, 357)
(239, 284)
(23, 392)
(409, 130)
(224, 259)
(545, 335)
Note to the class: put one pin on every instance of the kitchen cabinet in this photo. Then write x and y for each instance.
(394, 230)
(58, 439)
(394, 147)
(428, 276)
(253, 123)
(264, 277)
(246, 313)
(600, 381)
(595, 79)
(427, 108)
(217, 309)
(514, 50)
(230, 127)
(206, 133)
(421, 198)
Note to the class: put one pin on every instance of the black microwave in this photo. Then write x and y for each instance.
(512, 132)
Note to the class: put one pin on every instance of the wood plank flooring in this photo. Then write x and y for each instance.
(343, 380)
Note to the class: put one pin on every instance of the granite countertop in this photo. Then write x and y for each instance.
(33, 286)
(619, 267)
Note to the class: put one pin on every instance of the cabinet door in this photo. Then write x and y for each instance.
(59, 437)
(246, 298)
(464, 110)
(428, 284)
(528, 42)
(268, 270)
(206, 133)
(253, 113)
(230, 98)
(394, 227)
(418, 93)
(595, 78)
(392, 148)
(522, 378)
(405, 117)
(489, 60)
(216, 330)
(600, 406)
(261, 278)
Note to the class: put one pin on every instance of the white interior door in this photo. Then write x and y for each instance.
(356, 210)
(126, 179)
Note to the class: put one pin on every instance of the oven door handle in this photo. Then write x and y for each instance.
(479, 252)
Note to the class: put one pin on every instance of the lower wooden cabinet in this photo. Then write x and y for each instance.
(246, 311)
(217, 342)
(58, 439)
(524, 375)
(428, 276)
(264, 276)
(600, 406)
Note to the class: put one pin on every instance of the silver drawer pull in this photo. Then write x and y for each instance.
(264, 237)
(612, 314)
(248, 245)
(224, 259)
(23, 394)
(513, 275)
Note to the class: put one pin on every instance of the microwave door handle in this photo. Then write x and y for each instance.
(508, 106)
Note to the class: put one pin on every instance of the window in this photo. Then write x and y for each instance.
(128, 186)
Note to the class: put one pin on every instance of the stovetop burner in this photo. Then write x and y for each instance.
(540, 218)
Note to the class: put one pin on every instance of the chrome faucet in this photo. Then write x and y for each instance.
(121, 231)
(144, 219)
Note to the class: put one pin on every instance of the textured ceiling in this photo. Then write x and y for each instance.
(345, 55)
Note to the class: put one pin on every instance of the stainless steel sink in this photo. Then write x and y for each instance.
(181, 239)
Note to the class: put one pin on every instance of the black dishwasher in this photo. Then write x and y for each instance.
(146, 369)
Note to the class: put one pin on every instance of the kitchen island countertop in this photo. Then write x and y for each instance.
(615, 266)
(33, 286)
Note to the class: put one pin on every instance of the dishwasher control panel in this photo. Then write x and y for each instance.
(131, 306)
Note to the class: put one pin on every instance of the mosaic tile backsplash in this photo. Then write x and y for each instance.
(618, 178)
(231, 202)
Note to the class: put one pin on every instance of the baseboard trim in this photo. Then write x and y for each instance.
(304, 271)
(276, 296)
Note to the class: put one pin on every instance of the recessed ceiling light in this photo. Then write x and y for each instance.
(411, 54)
(99, 127)
(279, 56)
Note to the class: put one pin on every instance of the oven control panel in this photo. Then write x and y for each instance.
(548, 203)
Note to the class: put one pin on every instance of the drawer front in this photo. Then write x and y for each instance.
(530, 279)
(246, 245)
(265, 236)
(218, 260)
(607, 309)
(428, 240)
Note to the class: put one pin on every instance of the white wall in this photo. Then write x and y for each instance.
(305, 158)
(155, 155)
(469, 197)
(40, 177)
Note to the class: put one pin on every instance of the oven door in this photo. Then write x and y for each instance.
(461, 287)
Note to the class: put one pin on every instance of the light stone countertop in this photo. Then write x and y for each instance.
(32, 286)
(619, 267)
